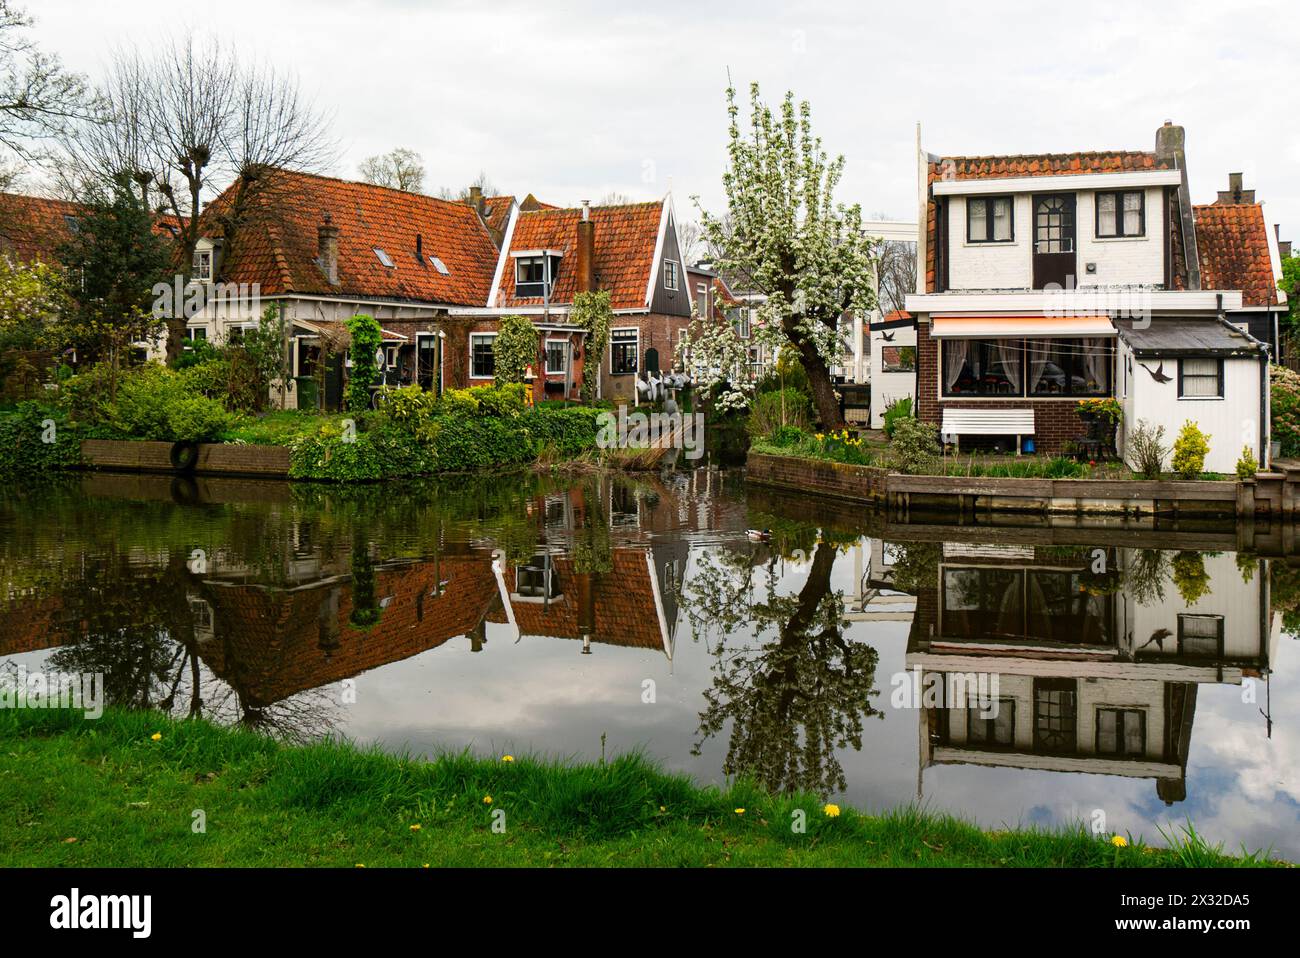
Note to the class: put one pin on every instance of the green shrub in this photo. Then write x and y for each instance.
(411, 409)
(465, 445)
(780, 408)
(503, 401)
(788, 373)
(787, 436)
(514, 349)
(915, 445)
(1285, 393)
(153, 403)
(1247, 465)
(896, 410)
(1146, 449)
(1190, 449)
(384, 451)
(35, 440)
(564, 432)
(454, 403)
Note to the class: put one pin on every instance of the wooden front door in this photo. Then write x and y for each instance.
(1054, 245)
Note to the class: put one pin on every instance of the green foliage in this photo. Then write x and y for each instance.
(467, 445)
(833, 447)
(514, 349)
(196, 353)
(1285, 393)
(897, 410)
(592, 312)
(411, 410)
(1247, 464)
(1190, 577)
(1108, 409)
(915, 445)
(154, 403)
(1190, 449)
(265, 356)
(367, 337)
(1290, 284)
(339, 454)
(32, 297)
(1146, 449)
(36, 440)
(501, 401)
(786, 373)
(783, 407)
(1022, 467)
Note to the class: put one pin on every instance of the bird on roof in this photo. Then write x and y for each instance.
(1158, 374)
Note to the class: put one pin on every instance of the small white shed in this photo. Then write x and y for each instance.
(1172, 369)
(893, 363)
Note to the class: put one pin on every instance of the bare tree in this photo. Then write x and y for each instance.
(614, 198)
(691, 239)
(38, 98)
(399, 169)
(896, 271)
(481, 181)
(193, 121)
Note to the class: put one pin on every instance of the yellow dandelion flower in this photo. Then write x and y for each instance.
(831, 810)
(507, 758)
(662, 808)
(740, 811)
(156, 736)
(1119, 841)
(487, 799)
(415, 828)
(359, 865)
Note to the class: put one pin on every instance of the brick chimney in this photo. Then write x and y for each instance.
(327, 249)
(586, 251)
(1171, 146)
(475, 199)
(1283, 246)
(1234, 194)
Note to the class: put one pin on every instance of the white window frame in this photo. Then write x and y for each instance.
(625, 329)
(564, 344)
(675, 274)
(483, 335)
(201, 267)
(390, 355)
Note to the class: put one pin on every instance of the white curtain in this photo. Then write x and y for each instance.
(1038, 359)
(955, 352)
(1096, 357)
(1009, 355)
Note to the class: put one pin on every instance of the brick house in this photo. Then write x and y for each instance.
(1026, 261)
(548, 256)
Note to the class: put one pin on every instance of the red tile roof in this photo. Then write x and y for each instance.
(279, 245)
(1044, 164)
(496, 211)
(625, 248)
(1232, 241)
(33, 228)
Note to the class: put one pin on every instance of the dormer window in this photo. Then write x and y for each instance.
(670, 275)
(1121, 214)
(201, 272)
(989, 219)
(535, 273)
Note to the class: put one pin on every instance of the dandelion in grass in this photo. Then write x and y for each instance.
(415, 828)
(663, 808)
(156, 736)
(831, 810)
(507, 758)
(740, 811)
(487, 799)
(1119, 841)
(359, 865)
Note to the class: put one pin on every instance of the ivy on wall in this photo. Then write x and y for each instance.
(593, 315)
(367, 338)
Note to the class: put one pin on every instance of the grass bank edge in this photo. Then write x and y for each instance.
(333, 803)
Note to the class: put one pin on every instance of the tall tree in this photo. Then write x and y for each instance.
(784, 230)
(481, 181)
(192, 120)
(38, 97)
(399, 169)
(896, 268)
(114, 258)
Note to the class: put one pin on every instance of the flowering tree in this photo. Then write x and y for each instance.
(784, 231)
(32, 296)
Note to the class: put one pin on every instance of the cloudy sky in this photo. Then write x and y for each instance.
(572, 101)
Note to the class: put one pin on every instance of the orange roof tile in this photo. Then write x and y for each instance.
(1044, 164)
(33, 228)
(1232, 240)
(625, 248)
(279, 245)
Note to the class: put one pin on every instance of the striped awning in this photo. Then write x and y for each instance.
(1034, 327)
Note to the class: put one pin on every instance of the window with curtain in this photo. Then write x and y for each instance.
(998, 730)
(978, 367)
(989, 219)
(1069, 367)
(1121, 732)
(1200, 378)
(1121, 214)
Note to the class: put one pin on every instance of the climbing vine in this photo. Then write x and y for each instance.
(515, 349)
(592, 313)
(367, 338)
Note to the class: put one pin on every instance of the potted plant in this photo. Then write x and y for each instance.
(1102, 417)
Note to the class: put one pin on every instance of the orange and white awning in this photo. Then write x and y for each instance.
(1015, 327)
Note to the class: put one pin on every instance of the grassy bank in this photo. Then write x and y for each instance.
(108, 792)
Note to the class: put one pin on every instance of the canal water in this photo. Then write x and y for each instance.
(1130, 680)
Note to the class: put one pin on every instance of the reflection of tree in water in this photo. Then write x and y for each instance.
(797, 697)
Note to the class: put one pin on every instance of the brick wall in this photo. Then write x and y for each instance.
(817, 476)
(213, 458)
(1056, 420)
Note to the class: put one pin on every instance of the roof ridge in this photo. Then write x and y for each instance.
(375, 186)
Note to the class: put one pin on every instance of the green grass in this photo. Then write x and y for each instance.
(278, 428)
(103, 793)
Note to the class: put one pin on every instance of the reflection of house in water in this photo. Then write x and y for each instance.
(1097, 672)
(874, 597)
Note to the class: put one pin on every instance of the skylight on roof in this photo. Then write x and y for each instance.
(384, 257)
(439, 265)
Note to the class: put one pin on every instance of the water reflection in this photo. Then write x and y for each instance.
(1135, 672)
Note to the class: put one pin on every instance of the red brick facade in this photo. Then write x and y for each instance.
(1056, 421)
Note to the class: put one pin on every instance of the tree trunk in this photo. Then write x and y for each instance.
(175, 336)
(823, 390)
